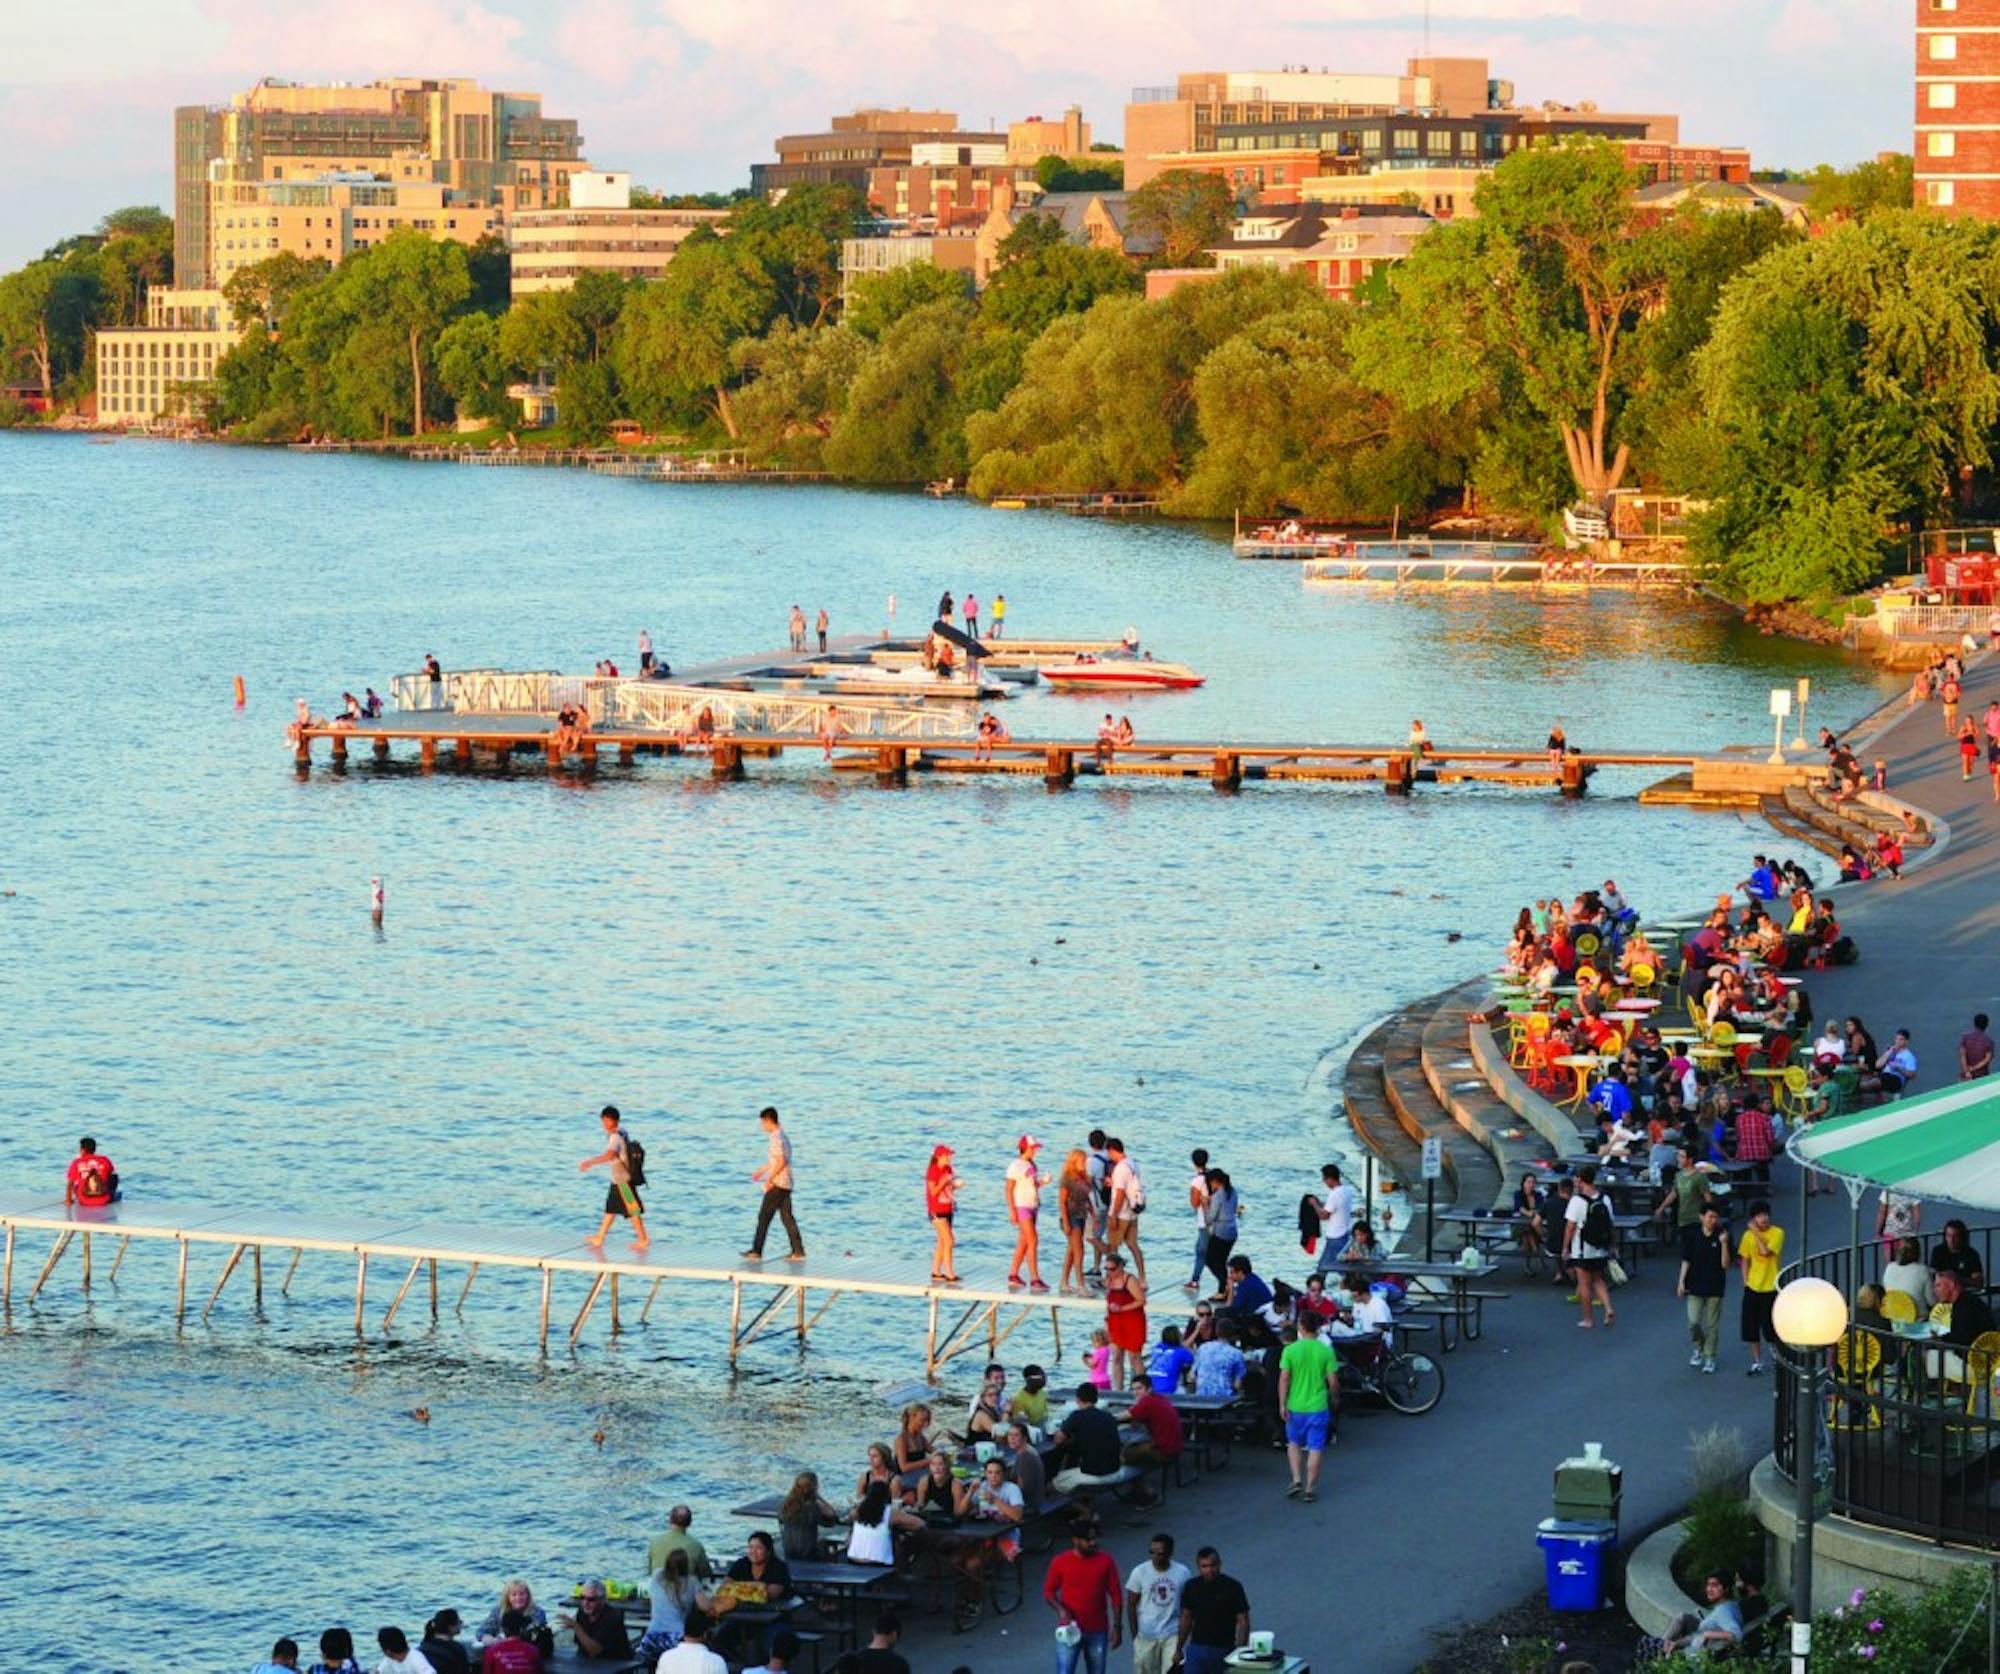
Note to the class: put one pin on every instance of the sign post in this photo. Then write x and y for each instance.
(1781, 706)
(1805, 691)
(1433, 1167)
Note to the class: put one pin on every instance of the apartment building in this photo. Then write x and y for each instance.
(149, 373)
(1958, 105)
(328, 217)
(856, 145)
(599, 232)
(482, 148)
(1034, 138)
(1337, 248)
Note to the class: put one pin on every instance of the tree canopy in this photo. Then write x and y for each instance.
(1187, 210)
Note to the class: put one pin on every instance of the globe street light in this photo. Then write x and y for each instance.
(1809, 1316)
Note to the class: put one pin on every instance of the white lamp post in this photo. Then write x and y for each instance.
(1809, 1316)
(1781, 706)
(1805, 691)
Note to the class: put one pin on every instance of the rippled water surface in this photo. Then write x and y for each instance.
(190, 973)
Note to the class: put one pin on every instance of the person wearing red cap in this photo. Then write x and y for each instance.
(1024, 1202)
(940, 1200)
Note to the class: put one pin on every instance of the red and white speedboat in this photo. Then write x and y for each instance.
(1120, 672)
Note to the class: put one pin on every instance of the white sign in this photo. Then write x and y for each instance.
(1433, 1158)
(1781, 701)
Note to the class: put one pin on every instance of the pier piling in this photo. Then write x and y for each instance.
(1059, 769)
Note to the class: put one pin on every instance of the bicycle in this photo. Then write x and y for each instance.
(1409, 1380)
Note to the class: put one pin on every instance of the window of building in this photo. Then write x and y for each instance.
(1941, 145)
(1371, 140)
(1944, 5)
(1405, 142)
(1944, 46)
(1438, 142)
(1468, 142)
(1939, 192)
(1943, 95)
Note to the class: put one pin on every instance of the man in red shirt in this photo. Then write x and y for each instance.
(92, 1180)
(1754, 1140)
(1082, 1587)
(514, 1653)
(1163, 1440)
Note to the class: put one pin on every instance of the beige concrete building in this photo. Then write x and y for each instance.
(148, 374)
(483, 148)
(1029, 141)
(600, 232)
(329, 217)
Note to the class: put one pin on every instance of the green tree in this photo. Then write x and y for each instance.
(795, 384)
(262, 292)
(1059, 174)
(471, 370)
(489, 268)
(139, 220)
(541, 334)
(900, 420)
(796, 241)
(1032, 232)
(1187, 210)
(1848, 381)
(244, 380)
(1054, 279)
(45, 308)
(675, 336)
(411, 285)
(879, 300)
(1886, 182)
(1539, 298)
(136, 253)
(587, 399)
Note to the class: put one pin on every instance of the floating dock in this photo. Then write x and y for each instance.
(960, 1319)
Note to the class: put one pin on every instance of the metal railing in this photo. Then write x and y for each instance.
(657, 705)
(487, 691)
(1920, 621)
(1908, 1433)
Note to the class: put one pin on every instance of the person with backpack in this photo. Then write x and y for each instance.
(92, 1180)
(627, 1159)
(1589, 1235)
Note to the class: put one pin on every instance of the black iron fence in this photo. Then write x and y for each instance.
(1907, 1431)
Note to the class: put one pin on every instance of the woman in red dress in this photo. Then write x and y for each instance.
(1124, 1319)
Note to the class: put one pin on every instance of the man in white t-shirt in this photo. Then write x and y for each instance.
(1591, 1261)
(1023, 1192)
(1336, 1217)
(1153, 1607)
(1197, 1201)
(1099, 1166)
(1128, 1197)
(692, 1655)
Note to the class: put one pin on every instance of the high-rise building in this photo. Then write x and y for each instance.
(1958, 105)
(484, 149)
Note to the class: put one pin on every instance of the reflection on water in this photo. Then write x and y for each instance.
(191, 973)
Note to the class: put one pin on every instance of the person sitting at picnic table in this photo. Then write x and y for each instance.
(440, 1644)
(913, 1442)
(676, 1595)
(1364, 1322)
(1024, 1463)
(598, 1629)
(1249, 1296)
(1030, 1403)
(801, 1516)
(1906, 1271)
(760, 1566)
(1314, 1299)
(1219, 1365)
(872, 1537)
(1868, 1309)
(510, 1650)
(692, 1655)
(1167, 1365)
(1721, 1624)
(1362, 1245)
(1165, 1438)
(935, 1498)
(881, 1468)
(984, 1417)
(1954, 1254)
(336, 1653)
(1089, 1451)
(992, 1498)
(517, 1596)
(1965, 1318)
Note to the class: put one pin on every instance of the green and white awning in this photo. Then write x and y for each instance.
(1944, 1145)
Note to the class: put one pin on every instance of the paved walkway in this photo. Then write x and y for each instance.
(1425, 1523)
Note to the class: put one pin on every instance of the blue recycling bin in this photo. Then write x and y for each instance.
(1577, 1556)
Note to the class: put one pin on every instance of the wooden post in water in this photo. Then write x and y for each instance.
(86, 1261)
(1227, 773)
(735, 1316)
(1573, 777)
(726, 761)
(256, 1272)
(548, 1275)
(381, 748)
(555, 754)
(1397, 774)
(285, 1289)
(655, 1291)
(339, 745)
(583, 1313)
(302, 751)
(930, 1341)
(614, 1305)
(228, 1267)
(459, 1308)
(892, 767)
(1059, 768)
(434, 1289)
(7, 1273)
(124, 1244)
(627, 753)
(49, 1266)
(181, 1287)
(427, 753)
(360, 1291)
(801, 1294)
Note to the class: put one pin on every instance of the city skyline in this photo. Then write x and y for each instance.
(687, 94)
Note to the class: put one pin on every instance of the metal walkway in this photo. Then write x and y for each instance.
(959, 1318)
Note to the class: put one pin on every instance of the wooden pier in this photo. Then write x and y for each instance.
(960, 1319)
(459, 740)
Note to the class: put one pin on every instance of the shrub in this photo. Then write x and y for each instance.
(1719, 1531)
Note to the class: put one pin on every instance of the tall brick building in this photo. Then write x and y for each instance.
(1958, 105)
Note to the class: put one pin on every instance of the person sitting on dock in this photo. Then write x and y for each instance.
(92, 1180)
(992, 731)
(336, 1653)
(1123, 735)
(1107, 741)
(371, 704)
(831, 731)
(703, 736)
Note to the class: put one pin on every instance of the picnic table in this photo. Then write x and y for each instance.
(1463, 1306)
(1208, 1419)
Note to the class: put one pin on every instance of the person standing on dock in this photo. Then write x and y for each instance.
(776, 1179)
(970, 610)
(1558, 748)
(645, 653)
(1128, 1199)
(941, 1203)
(1419, 743)
(798, 629)
(1024, 1203)
(621, 1197)
(435, 675)
(820, 625)
(944, 607)
(999, 616)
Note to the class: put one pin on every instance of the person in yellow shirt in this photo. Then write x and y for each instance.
(1758, 1250)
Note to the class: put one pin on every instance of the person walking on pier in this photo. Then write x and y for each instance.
(628, 1173)
(645, 653)
(1198, 1202)
(1703, 1279)
(798, 629)
(1024, 1201)
(820, 625)
(1336, 1217)
(1949, 692)
(776, 1179)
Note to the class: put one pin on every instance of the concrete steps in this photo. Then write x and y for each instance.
(1781, 820)
(1458, 1084)
(1398, 1157)
(1867, 815)
(1470, 1171)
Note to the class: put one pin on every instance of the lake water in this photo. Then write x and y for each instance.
(190, 973)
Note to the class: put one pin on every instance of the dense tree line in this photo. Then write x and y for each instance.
(1815, 391)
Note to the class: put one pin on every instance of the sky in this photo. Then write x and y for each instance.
(686, 94)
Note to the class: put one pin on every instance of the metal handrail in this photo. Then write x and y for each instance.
(660, 705)
(1891, 1451)
(490, 691)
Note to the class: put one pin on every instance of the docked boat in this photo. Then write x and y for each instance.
(1120, 672)
(874, 680)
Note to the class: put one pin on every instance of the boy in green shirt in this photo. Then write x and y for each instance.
(1308, 1391)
